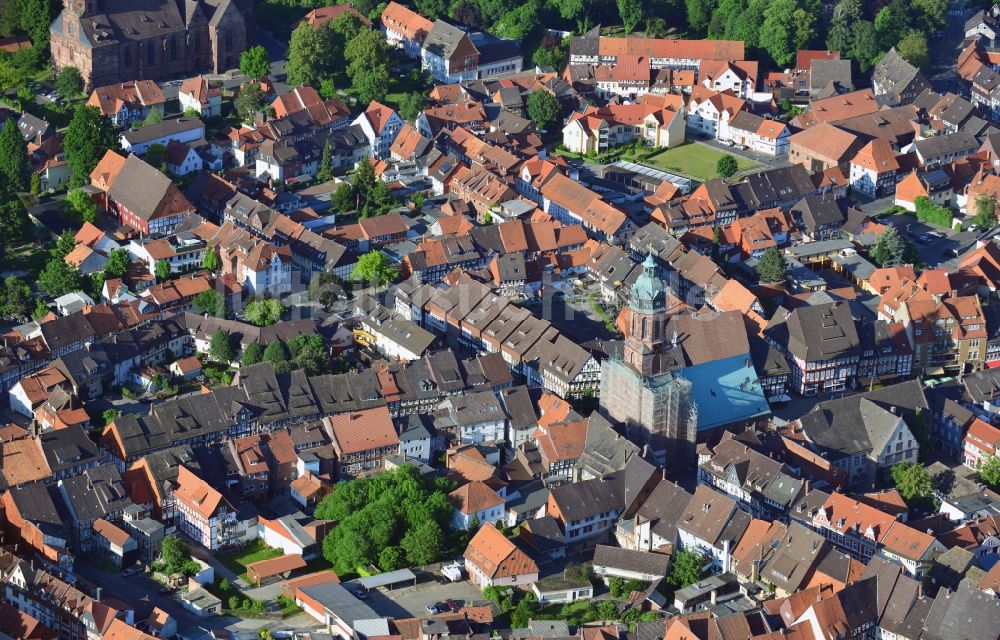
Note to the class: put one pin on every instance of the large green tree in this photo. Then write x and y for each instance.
(630, 12)
(366, 51)
(210, 302)
(308, 55)
(840, 35)
(255, 63)
(252, 354)
(544, 109)
(520, 22)
(59, 278)
(772, 266)
(325, 171)
(374, 267)
(220, 347)
(913, 49)
(727, 166)
(69, 82)
(891, 24)
(15, 167)
(989, 471)
(699, 13)
(686, 569)
(889, 248)
(864, 48)
(371, 84)
(933, 14)
(263, 313)
(411, 105)
(912, 481)
(789, 25)
(249, 101)
(88, 137)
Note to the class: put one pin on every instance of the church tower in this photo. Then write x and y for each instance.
(644, 348)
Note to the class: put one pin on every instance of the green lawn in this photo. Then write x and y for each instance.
(253, 552)
(695, 160)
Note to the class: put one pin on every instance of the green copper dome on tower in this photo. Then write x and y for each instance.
(648, 291)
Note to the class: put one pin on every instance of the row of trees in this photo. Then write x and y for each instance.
(862, 32)
(392, 520)
(308, 353)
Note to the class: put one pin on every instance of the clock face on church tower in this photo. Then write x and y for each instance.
(78, 6)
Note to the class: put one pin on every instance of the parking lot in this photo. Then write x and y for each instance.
(935, 246)
(412, 601)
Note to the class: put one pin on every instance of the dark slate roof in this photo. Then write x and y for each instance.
(162, 129)
(817, 333)
(958, 142)
(96, 493)
(628, 560)
(964, 613)
(67, 448)
(794, 558)
(42, 505)
(894, 73)
(443, 39)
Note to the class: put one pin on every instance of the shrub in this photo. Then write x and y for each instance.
(933, 213)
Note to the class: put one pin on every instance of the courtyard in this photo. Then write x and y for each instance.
(694, 160)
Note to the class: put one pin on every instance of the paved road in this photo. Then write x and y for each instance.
(944, 49)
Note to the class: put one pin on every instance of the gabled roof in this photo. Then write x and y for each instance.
(497, 556)
(197, 494)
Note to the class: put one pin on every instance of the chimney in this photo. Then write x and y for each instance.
(97, 593)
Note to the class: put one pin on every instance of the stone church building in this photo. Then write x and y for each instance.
(111, 41)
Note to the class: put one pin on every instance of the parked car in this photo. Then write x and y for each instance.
(357, 590)
(452, 605)
(432, 609)
(924, 239)
(133, 570)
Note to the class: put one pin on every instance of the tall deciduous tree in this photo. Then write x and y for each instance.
(840, 36)
(727, 166)
(374, 267)
(249, 101)
(544, 108)
(912, 481)
(252, 354)
(913, 49)
(58, 278)
(630, 12)
(891, 24)
(365, 51)
(699, 13)
(88, 137)
(69, 82)
(220, 347)
(255, 63)
(411, 105)
(789, 25)
(308, 53)
(864, 48)
(15, 167)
